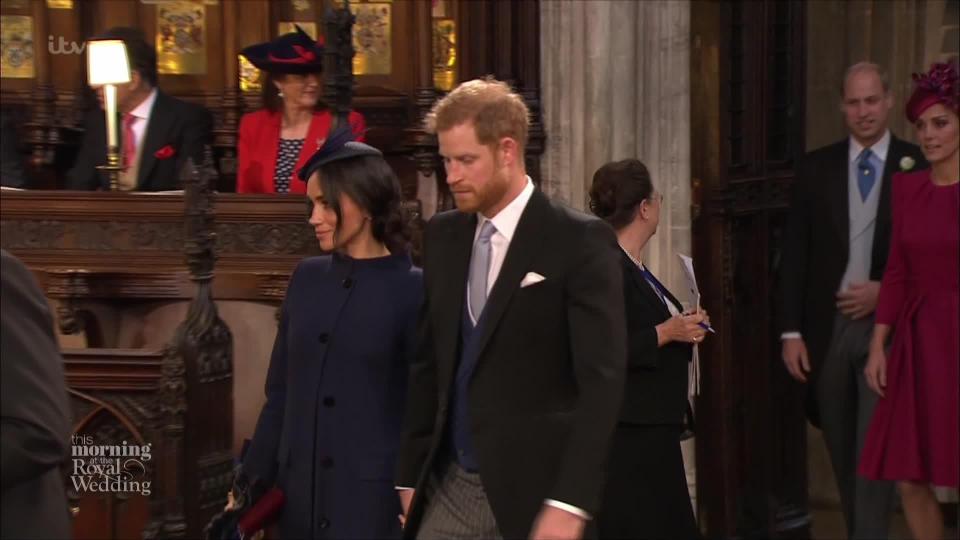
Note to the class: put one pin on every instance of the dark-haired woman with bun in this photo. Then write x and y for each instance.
(329, 431)
(646, 494)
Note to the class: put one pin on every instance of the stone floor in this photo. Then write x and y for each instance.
(828, 525)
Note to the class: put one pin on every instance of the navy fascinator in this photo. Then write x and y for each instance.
(340, 144)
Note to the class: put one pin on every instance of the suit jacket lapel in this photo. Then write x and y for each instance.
(158, 129)
(447, 314)
(891, 166)
(838, 168)
(523, 247)
(645, 289)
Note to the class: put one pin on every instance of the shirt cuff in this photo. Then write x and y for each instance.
(402, 488)
(791, 335)
(568, 508)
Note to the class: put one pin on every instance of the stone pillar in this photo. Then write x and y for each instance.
(615, 76)
(615, 79)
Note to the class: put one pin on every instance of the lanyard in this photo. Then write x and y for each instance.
(657, 287)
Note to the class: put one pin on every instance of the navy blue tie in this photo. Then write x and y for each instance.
(866, 174)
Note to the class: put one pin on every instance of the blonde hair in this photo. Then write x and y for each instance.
(495, 110)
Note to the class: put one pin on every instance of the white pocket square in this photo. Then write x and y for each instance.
(530, 279)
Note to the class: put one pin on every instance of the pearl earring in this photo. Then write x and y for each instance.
(279, 94)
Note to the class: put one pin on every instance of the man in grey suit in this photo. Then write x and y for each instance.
(35, 416)
(835, 251)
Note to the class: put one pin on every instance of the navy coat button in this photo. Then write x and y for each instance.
(326, 463)
(347, 283)
(324, 337)
(329, 401)
(324, 523)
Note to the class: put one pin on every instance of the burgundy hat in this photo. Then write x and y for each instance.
(295, 52)
(939, 85)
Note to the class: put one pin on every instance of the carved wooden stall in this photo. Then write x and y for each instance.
(406, 54)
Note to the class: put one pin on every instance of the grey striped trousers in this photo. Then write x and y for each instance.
(457, 507)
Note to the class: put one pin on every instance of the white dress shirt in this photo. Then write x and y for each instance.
(505, 223)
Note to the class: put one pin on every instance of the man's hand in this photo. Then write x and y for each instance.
(555, 524)
(859, 300)
(795, 358)
(406, 496)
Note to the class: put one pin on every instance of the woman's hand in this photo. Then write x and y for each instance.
(684, 328)
(876, 370)
(231, 502)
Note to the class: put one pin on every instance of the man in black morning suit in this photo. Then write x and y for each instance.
(834, 253)
(157, 132)
(515, 392)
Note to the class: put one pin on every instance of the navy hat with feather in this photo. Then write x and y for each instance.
(340, 144)
(295, 52)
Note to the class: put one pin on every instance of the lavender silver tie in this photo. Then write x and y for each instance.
(479, 269)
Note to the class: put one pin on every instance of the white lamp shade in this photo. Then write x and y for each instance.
(107, 62)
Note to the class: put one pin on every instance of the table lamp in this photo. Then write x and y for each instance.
(108, 66)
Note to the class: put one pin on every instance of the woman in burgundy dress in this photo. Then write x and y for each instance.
(913, 437)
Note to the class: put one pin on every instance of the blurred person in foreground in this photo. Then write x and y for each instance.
(34, 412)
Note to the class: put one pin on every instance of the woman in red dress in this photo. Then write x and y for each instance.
(277, 140)
(913, 436)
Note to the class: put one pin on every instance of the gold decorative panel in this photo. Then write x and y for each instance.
(338, 4)
(371, 38)
(290, 26)
(301, 5)
(16, 47)
(444, 54)
(204, 2)
(15, 4)
(181, 38)
(60, 4)
(249, 76)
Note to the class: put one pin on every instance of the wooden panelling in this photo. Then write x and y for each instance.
(747, 67)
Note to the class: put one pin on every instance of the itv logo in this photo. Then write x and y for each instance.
(62, 46)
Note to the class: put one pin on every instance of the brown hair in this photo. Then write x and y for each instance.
(618, 189)
(495, 110)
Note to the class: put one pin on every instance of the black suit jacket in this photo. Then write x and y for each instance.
(657, 377)
(544, 396)
(35, 415)
(816, 243)
(183, 126)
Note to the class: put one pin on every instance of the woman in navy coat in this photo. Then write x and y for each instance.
(328, 433)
